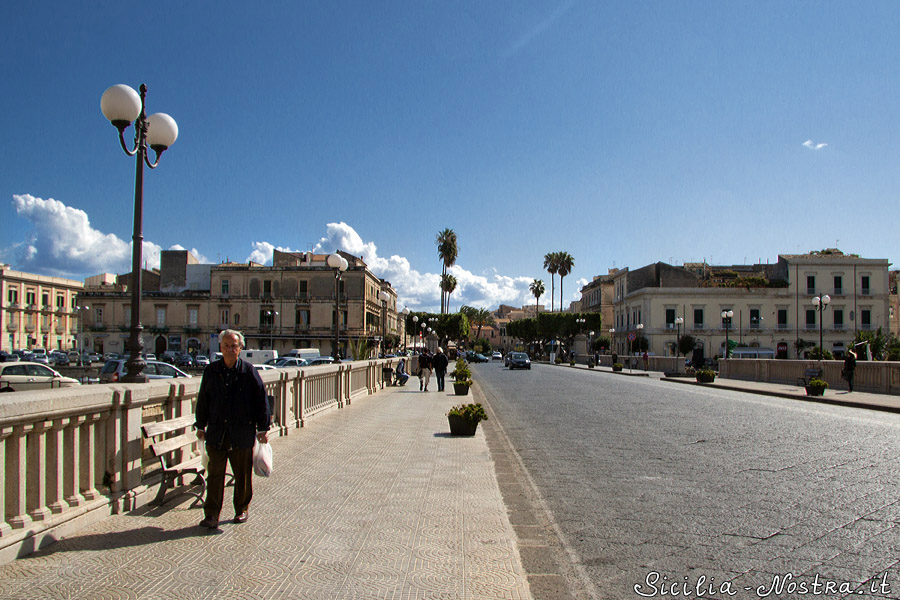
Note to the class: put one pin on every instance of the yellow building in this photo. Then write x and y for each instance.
(37, 311)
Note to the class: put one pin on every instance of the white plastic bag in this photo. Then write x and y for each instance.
(262, 459)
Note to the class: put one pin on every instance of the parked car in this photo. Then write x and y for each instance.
(61, 360)
(184, 361)
(114, 370)
(478, 358)
(201, 360)
(497, 355)
(519, 360)
(283, 363)
(20, 376)
(322, 360)
(264, 367)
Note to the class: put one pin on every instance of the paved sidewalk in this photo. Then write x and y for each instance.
(375, 500)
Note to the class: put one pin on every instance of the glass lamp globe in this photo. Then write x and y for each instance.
(162, 131)
(121, 105)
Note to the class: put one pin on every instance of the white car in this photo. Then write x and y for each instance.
(20, 376)
(496, 355)
(264, 367)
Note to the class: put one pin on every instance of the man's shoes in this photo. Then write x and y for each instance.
(241, 517)
(210, 523)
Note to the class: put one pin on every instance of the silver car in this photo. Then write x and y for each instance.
(115, 370)
(20, 376)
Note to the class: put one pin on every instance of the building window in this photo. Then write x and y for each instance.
(224, 317)
(160, 316)
(755, 319)
(301, 317)
(864, 286)
(266, 317)
(237, 319)
(782, 318)
(30, 298)
(193, 316)
(267, 288)
(810, 318)
(303, 288)
(226, 285)
(838, 318)
(127, 312)
(670, 318)
(98, 317)
(838, 285)
(12, 295)
(45, 299)
(698, 318)
(60, 302)
(811, 285)
(865, 318)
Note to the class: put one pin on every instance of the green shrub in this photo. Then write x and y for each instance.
(469, 412)
(706, 375)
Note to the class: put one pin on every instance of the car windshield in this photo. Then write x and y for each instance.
(519, 355)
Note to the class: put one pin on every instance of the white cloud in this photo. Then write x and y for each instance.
(62, 241)
(813, 146)
(421, 291)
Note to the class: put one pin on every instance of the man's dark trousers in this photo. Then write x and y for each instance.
(241, 460)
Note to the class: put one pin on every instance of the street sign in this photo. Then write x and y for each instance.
(632, 336)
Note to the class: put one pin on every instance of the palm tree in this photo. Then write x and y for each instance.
(564, 265)
(537, 290)
(551, 264)
(448, 285)
(482, 318)
(447, 252)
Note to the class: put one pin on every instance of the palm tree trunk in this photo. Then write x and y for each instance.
(560, 293)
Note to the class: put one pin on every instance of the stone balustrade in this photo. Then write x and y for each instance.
(72, 456)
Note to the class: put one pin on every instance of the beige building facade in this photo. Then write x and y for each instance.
(37, 311)
(772, 304)
(288, 305)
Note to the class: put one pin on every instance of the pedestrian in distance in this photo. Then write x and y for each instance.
(232, 411)
(646, 358)
(400, 374)
(849, 368)
(440, 362)
(424, 370)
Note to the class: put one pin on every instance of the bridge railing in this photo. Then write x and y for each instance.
(72, 456)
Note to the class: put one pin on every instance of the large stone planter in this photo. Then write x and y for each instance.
(462, 426)
(815, 390)
(461, 389)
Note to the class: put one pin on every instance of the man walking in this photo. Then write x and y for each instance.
(231, 410)
(440, 362)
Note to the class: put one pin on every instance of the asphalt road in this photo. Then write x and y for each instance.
(660, 490)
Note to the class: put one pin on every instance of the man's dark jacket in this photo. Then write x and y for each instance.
(440, 362)
(241, 418)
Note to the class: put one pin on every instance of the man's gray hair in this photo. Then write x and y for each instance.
(235, 333)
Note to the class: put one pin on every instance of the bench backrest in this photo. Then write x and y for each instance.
(161, 447)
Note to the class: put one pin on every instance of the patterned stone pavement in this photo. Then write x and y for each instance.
(372, 501)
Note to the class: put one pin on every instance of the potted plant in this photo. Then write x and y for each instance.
(705, 375)
(462, 378)
(816, 387)
(464, 418)
(571, 362)
(617, 366)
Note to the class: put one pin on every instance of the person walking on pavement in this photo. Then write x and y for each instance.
(232, 411)
(424, 370)
(849, 368)
(440, 362)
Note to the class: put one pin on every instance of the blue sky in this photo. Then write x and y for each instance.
(624, 133)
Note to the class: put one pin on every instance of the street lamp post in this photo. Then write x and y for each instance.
(678, 322)
(339, 264)
(81, 310)
(424, 326)
(272, 314)
(726, 320)
(640, 335)
(384, 297)
(612, 340)
(122, 106)
(405, 313)
(821, 302)
(415, 321)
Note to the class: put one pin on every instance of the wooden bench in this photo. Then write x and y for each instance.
(176, 454)
(811, 373)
